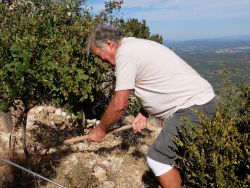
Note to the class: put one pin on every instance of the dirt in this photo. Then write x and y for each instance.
(118, 161)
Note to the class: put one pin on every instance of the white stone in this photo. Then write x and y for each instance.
(4, 139)
(64, 114)
(107, 184)
(100, 173)
(144, 149)
(81, 146)
(73, 159)
(91, 163)
(51, 109)
(6, 123)
(91, 121)
(112, 163)
(39, 109)
(58, 112)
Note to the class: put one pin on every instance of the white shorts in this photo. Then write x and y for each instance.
(157, 167)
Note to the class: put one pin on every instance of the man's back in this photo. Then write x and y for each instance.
(162, 80)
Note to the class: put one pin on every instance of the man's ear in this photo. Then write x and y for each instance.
(109, 42)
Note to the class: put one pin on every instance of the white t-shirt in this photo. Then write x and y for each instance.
(162, 81)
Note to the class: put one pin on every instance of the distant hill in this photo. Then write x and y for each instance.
(242, 38)
(208, 56)
(210, 45)
(234, 38)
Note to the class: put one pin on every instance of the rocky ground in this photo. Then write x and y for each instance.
(118, 161)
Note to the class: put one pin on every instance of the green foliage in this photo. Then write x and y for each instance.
(42, 54)
(217, 153)
(134, 106)
(134, 27)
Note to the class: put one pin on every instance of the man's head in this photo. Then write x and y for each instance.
(104, 42)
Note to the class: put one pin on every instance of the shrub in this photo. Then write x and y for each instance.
(134, 106)
(217, 153)
(43, 57)
(42, 54)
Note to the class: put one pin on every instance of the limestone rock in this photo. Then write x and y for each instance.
(6, 123)
(107, 184)
(144, 149)
(100, 173)
(112, 163)
(4, 139)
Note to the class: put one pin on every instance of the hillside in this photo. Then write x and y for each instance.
(118, 161)
(208, 56)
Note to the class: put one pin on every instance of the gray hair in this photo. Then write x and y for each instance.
(102, 33)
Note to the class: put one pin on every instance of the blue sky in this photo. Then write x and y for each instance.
(188, 19)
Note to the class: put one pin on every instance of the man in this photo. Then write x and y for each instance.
(166, 86)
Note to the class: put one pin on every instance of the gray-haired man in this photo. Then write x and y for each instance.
(166, 86)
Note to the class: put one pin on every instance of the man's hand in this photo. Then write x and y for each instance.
(139, 122)
(113, 112)
(96, 135)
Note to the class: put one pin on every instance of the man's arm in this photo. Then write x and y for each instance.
(113, 112)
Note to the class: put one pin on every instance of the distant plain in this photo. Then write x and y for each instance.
(209, 56)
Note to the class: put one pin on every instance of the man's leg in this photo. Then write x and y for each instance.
(170, 179)
(167, 175)
(162, 151)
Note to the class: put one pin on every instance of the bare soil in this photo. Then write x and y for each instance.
(118, 161)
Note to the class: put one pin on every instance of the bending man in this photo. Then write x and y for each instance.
(166, 86)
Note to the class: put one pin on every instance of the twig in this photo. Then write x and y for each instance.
(66, 143)
(85, 137)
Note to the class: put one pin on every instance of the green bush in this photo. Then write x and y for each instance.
(42, 56)
(134, 106)
(217, 153)
(135, 28)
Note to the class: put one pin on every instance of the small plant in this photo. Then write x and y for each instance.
(134, 106)
(217, 153)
